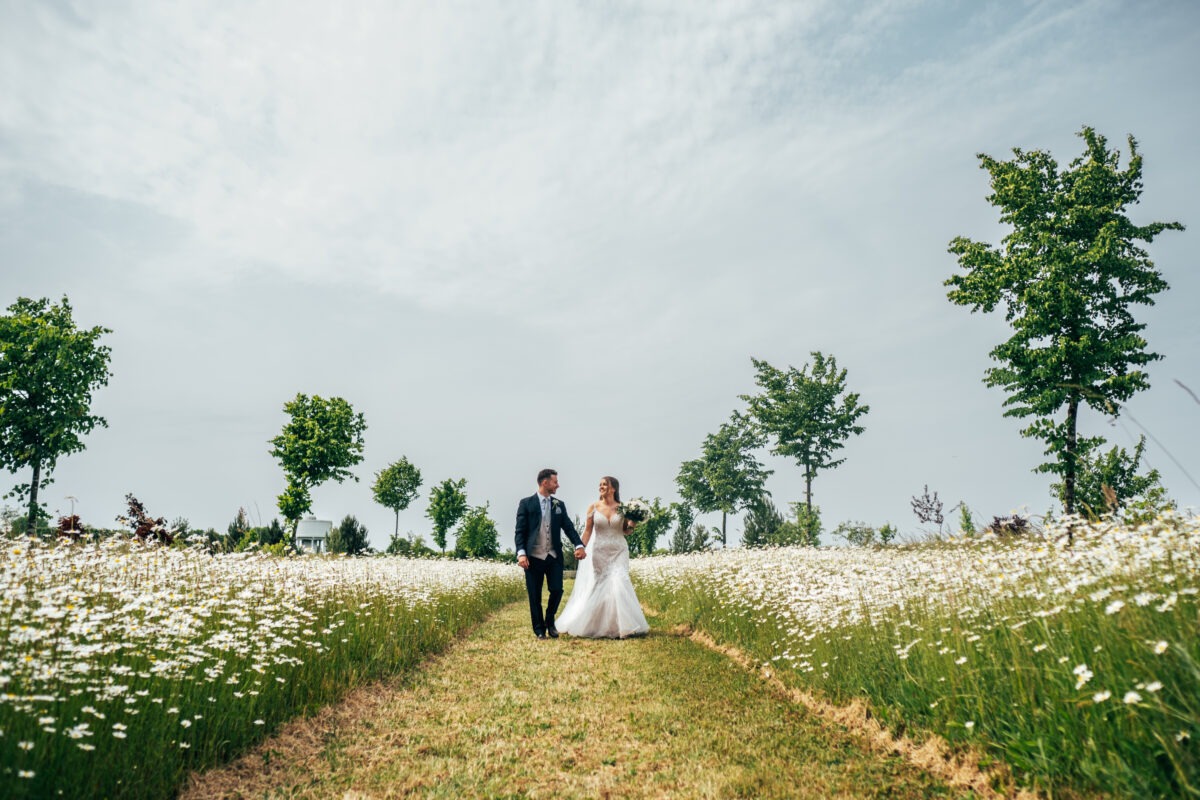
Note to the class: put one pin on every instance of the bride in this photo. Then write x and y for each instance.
(603, 603)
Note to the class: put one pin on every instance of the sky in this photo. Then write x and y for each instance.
(519, 235)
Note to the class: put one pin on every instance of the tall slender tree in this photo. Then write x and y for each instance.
(48, 371)
(321, 441)
(807, 412)
(447, 505)
(1067, 276)
(396, 487)
(727, 477)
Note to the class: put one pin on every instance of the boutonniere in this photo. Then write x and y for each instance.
(556, 506)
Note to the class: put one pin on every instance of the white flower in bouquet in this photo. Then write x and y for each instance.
(635, 511)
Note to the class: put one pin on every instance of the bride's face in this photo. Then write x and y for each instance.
(605, 490)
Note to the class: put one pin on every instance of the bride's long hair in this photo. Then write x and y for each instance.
(616, 486)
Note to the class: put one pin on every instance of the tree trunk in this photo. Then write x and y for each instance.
(723, 542)
(808, 478)
(1070, 470)
(31, 520)
(397, 533)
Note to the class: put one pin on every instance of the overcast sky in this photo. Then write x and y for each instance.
(518, 235)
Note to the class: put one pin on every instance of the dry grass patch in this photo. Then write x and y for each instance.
(501, 714)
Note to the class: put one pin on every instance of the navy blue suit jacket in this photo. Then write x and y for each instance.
(529, 521)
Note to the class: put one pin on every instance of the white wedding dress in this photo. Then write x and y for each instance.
(603, 604)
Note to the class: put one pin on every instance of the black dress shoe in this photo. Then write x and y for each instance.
(540, 635)
(552, 631)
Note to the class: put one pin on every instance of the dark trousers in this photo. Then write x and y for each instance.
(549, 570)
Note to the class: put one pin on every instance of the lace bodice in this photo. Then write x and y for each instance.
(602, 524)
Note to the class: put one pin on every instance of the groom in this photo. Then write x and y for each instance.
(541, 519)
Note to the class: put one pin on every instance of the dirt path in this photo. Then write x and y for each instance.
(501, 714)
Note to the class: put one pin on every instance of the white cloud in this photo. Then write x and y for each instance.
(679, 184)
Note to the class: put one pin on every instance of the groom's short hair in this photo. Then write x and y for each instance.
(546, 473)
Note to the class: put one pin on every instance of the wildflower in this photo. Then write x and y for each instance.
(25, 773)
(1037, 648)
(1114, 607)
(1131, 697)
(259, 722)
(1154, 686)
(1160, 648)
(187, 723)
(961, 660)
(969, 724)
(1100, 697)
(1082, 676)
(25, 745)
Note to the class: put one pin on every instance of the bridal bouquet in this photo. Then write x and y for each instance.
(634, 511)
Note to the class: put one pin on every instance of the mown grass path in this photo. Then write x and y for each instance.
(500, 714)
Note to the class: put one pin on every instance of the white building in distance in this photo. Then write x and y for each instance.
(312, 534)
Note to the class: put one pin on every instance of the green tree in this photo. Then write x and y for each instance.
(447, 505)
(808, 413)
(642, 538)
(805, 529)
(349, 537)
(412, 546)
(692, 538)
(237, 533)
(727, 477)
(270, 535)
(685, 519)
(761, 522)
(478, 537)
(396, 487)
(321, 441)
(1106, 481)
(48, 371)
(1067, 276)
(21, 526)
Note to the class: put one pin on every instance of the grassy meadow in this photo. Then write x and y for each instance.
(125, 667)
(1078, 664)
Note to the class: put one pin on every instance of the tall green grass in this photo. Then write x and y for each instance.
(99, 710)
(1079, 669)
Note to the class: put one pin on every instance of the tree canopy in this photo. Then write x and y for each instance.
(727, 477)
(807, 412)
(396, 487)
(1067, 276)
(349, 537)
(478, 536)
(447, 505)
(321, 441)
(49, 369)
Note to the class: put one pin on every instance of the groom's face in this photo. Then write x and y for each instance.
(550, 485)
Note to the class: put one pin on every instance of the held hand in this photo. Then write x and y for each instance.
(580, 554)
(522, 562)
